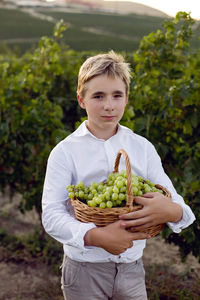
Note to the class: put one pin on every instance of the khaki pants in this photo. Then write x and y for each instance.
(103, 281)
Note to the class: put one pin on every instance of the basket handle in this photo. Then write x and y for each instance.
(130, 198)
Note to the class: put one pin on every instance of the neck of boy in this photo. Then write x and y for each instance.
(104, 134)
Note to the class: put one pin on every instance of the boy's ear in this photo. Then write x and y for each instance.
(81, 101)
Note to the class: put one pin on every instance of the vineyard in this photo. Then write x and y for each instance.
(86, 32)
(38, 108)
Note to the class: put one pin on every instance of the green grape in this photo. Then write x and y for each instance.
(92, 203)
(90, 196)
(109, 204)
(119, 202)
(70, 188)
(97, 200)
(121, 196)
(115, 190)
(151, 184)
(123, 173)
(119, 184)
(123, 189)
(101, 196)
(114, 203)
(80, 184)
(93, 191)
(111, 176)
(102, 205)
(147, 188)
(87, 191)
(140, 178)
(71, 195)
(160, 191)
(134, 189)
(135, 182)
(81, 194)
(107, 195)
(85, 196)
(93, 184)
(119, 177)
(89, 203)
(114, 196)
(110, 183)
(109, 189)
(100, 187)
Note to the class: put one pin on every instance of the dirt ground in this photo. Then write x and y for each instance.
(33, 280)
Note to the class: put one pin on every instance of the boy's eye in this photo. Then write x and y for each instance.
(98, 96)
(117, 95)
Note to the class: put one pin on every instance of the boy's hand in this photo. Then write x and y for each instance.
(113, 238)
(157, 209)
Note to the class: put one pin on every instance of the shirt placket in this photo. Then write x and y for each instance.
(110, 154)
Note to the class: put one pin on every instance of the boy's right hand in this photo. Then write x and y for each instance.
(113, 238)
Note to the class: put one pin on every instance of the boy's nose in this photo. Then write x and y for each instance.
(108, 105)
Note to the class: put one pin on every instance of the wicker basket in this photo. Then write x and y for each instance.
(103, 217)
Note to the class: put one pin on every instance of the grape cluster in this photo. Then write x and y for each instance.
(112, 192)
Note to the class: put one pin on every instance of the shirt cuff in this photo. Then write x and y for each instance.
(78, 239)
(186, 220)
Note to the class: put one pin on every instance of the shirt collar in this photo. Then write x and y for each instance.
(82, 130)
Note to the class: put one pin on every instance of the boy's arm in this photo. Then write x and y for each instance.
(113, 238)
(157, 208)
(56, 218)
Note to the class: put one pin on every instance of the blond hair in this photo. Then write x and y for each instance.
(110, 63)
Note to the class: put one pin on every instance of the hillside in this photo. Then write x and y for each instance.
(122, 7)
(128, 7)
(87, 31)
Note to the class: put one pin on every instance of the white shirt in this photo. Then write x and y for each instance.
(83, 157)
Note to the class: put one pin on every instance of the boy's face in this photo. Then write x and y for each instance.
(104, 101)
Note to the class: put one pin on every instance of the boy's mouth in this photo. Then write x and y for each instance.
(108, 117)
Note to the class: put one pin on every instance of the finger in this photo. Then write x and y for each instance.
(140, 227)
(137, 222)
(122, 225)
(140, 235)
(149, 195)
(141, 200)
(127, 216)
(134, 215)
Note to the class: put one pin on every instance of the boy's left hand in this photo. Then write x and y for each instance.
(157, 209)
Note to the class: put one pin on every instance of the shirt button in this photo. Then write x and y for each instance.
(119, 256)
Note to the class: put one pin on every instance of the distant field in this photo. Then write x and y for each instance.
(17, 25)
(87, 31)
(131, 25)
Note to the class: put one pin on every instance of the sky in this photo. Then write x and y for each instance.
(171, 7)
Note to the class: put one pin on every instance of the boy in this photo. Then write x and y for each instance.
(106, 262)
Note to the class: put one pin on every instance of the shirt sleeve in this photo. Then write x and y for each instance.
(156, 174)
(57, 220)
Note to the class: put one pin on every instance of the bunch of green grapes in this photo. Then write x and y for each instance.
(112, 192)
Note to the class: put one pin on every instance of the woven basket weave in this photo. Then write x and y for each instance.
(105, 216)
